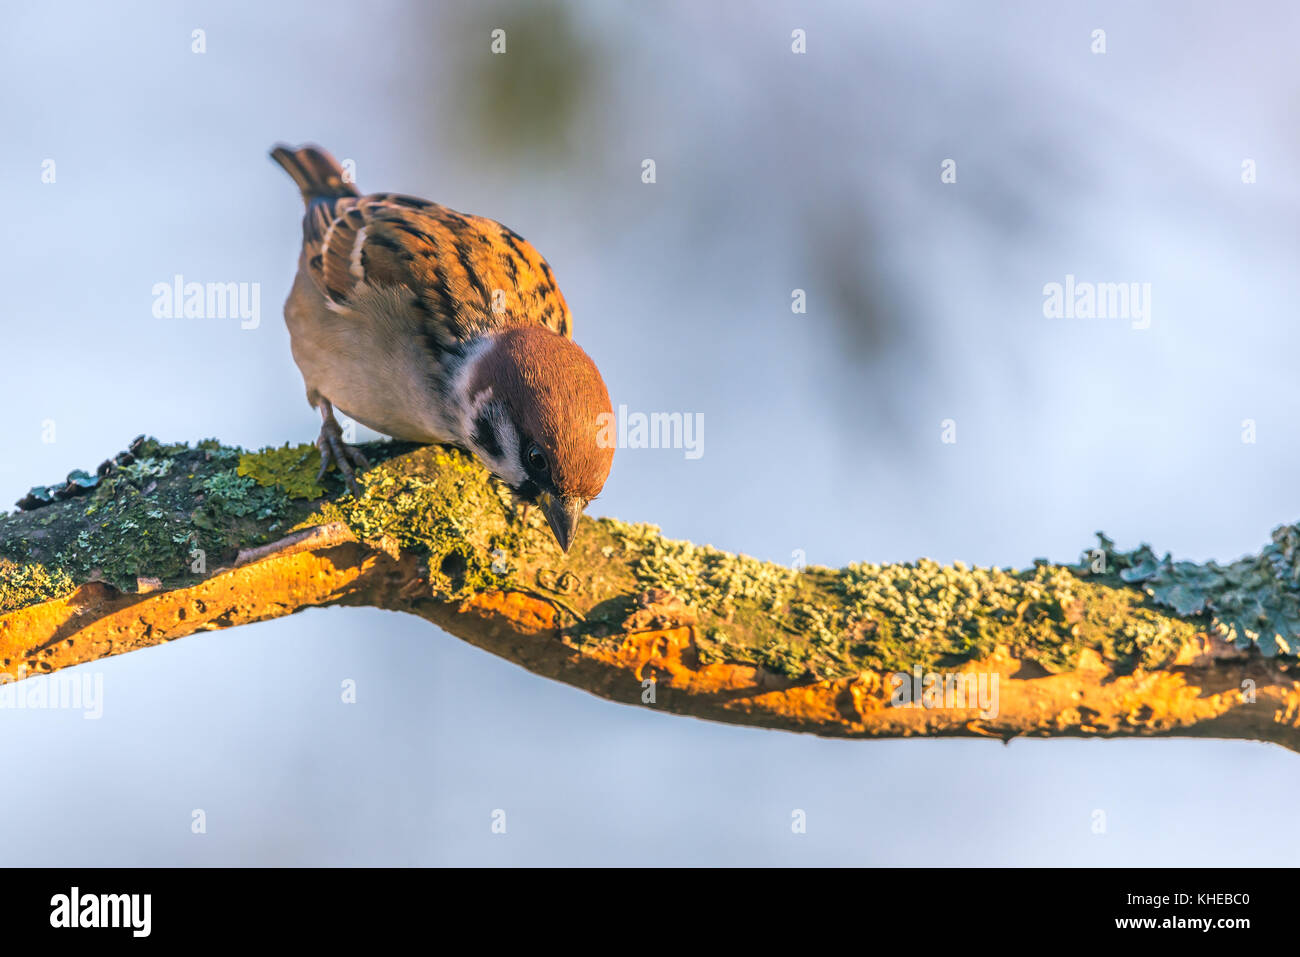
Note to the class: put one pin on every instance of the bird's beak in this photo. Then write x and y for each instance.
(563, 514)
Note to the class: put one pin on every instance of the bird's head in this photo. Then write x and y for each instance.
(537, 411)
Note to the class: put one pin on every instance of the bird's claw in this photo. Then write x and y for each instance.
(334, 449)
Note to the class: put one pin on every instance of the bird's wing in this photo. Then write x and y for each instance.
(469, 274)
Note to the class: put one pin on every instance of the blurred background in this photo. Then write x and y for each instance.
(774, 171)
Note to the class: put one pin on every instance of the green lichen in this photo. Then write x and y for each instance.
(167, 512)
(229, 493)
(143, 469)
(1253, 602)
(931, 612)
(705, 577)
(1143, 637)
(824, 623)
(176, 513)
(29, 583)
(764, 607)
(440, 506)
(162, 505)
(291, 469)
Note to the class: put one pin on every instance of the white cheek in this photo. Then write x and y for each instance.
(508, 467)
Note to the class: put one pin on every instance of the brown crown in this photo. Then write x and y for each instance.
(556, 397)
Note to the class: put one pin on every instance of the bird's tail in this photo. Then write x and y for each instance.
(316, 172)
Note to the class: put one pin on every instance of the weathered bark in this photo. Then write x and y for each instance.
(628, 615)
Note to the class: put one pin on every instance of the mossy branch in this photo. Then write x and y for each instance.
(167, 540)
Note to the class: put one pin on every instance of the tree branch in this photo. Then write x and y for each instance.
(169, 540)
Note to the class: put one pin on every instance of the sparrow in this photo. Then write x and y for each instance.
(435, 326)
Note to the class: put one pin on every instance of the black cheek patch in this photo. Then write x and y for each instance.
(485, 437)
(527, 492)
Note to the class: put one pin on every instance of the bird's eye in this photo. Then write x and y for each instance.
(537, 460)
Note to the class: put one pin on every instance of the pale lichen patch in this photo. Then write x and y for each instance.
(29, 583)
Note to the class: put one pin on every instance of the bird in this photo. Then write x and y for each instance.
(440, 327)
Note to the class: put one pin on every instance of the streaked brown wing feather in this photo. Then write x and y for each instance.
(469, 274)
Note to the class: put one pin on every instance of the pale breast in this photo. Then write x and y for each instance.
(368, 362)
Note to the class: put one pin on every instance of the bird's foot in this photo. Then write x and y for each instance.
(346, 457)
